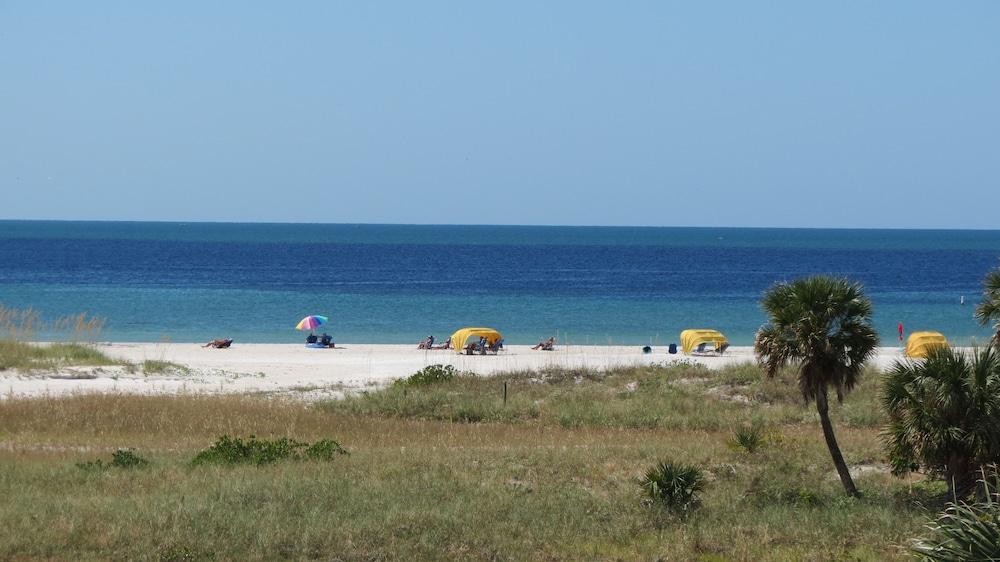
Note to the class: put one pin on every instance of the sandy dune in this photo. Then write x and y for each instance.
(313, 373)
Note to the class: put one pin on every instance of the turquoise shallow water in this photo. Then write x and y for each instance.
(397, 283)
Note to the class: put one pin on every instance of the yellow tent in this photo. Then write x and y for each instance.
(691, 339)
(461, 337)
(919, 343)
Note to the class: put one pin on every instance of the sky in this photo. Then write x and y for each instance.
(773, 114)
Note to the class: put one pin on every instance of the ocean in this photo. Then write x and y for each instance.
(191, 282)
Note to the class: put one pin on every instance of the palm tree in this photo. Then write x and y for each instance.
(989, 309)
(823, 325)
(944, 415)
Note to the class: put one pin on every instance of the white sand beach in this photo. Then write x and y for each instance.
(294, 370)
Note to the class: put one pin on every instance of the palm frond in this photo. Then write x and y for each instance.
(823, 322)
(989, 309)
(944, 412)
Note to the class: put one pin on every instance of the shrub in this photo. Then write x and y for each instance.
(431, 374)
(325, 450)
(749, 438)
(234, 450)
(122, 458)
(674, 485)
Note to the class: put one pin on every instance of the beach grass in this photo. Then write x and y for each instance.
(684, 396)
(29, 356)
(159, 366)
(553, 478)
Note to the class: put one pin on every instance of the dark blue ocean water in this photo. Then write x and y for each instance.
(397, 283)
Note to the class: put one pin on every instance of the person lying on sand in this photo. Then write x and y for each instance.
(546, 345)
(219, 344)
(445, 345)
(427, 343)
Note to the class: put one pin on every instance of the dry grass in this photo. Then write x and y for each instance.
(420, 487)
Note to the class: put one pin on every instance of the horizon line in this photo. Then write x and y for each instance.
(609, 226)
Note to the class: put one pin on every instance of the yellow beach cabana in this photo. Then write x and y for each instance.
(460, 338)
(691, 339)
(919, 343)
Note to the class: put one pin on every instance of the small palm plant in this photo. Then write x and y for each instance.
(674, 485)
(823, 325)
(989, 309)
(944, 414)
(964, 531)
(749, 438)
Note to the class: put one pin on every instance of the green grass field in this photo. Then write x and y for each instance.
(448, 471)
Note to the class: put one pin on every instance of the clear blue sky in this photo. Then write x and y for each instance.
(845, 114)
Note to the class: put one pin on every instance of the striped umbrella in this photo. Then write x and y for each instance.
(311, 322)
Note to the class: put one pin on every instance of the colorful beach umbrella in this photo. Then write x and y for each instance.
(311, 322)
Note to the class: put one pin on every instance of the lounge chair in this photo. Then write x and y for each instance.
(702, 349)
(495, 348)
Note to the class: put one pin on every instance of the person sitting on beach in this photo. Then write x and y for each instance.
(327, 340)
(445, 345)
(546, 345)
(311, 338)
(428, 343)
(476, 346)
(219, 344)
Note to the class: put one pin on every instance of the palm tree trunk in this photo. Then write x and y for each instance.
(831, 443)
(960, 476)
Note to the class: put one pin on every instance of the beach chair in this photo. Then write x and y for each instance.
(496, 347)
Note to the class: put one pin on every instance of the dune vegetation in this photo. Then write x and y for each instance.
(548, 465)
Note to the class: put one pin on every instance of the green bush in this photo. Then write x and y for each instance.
(122, 458)
(674, 485)
(431, 374)
(325, 450)
(234, 450)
